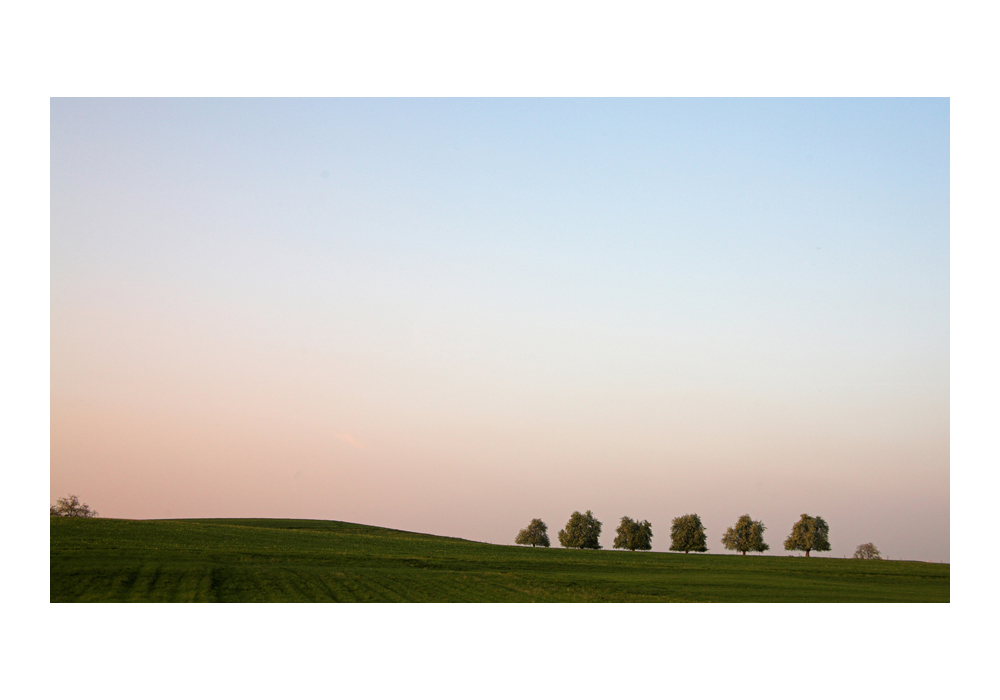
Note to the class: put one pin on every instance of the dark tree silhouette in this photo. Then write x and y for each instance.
(70, 507)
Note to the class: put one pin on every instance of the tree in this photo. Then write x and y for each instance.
(867, 551)
(746, 536)
(687, 534)
(633, 534)
(809, 534)
(582, 531)
(536, 534)
(70, 507)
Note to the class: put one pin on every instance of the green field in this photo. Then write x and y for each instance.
(106, 560)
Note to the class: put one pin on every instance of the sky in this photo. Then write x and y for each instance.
(455, 315)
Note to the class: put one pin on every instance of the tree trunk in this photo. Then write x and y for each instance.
(744, 552)
(807, 554)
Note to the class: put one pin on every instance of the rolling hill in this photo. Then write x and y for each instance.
(237, 560)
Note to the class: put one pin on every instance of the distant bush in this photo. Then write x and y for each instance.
(867, 551)
(70, 507)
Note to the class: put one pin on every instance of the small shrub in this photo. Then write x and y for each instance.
(867, 551)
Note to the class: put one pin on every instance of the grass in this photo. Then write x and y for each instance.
(106, 560)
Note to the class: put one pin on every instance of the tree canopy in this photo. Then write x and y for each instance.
(746, 535)
(536, 534)
(582, 531)
(809, 534)
(70, 507)
(634, 534)
(867, 551)
(687, 534)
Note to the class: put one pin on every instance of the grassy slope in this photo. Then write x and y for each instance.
(315, 560)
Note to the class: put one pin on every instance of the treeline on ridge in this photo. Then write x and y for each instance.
(687, 534)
